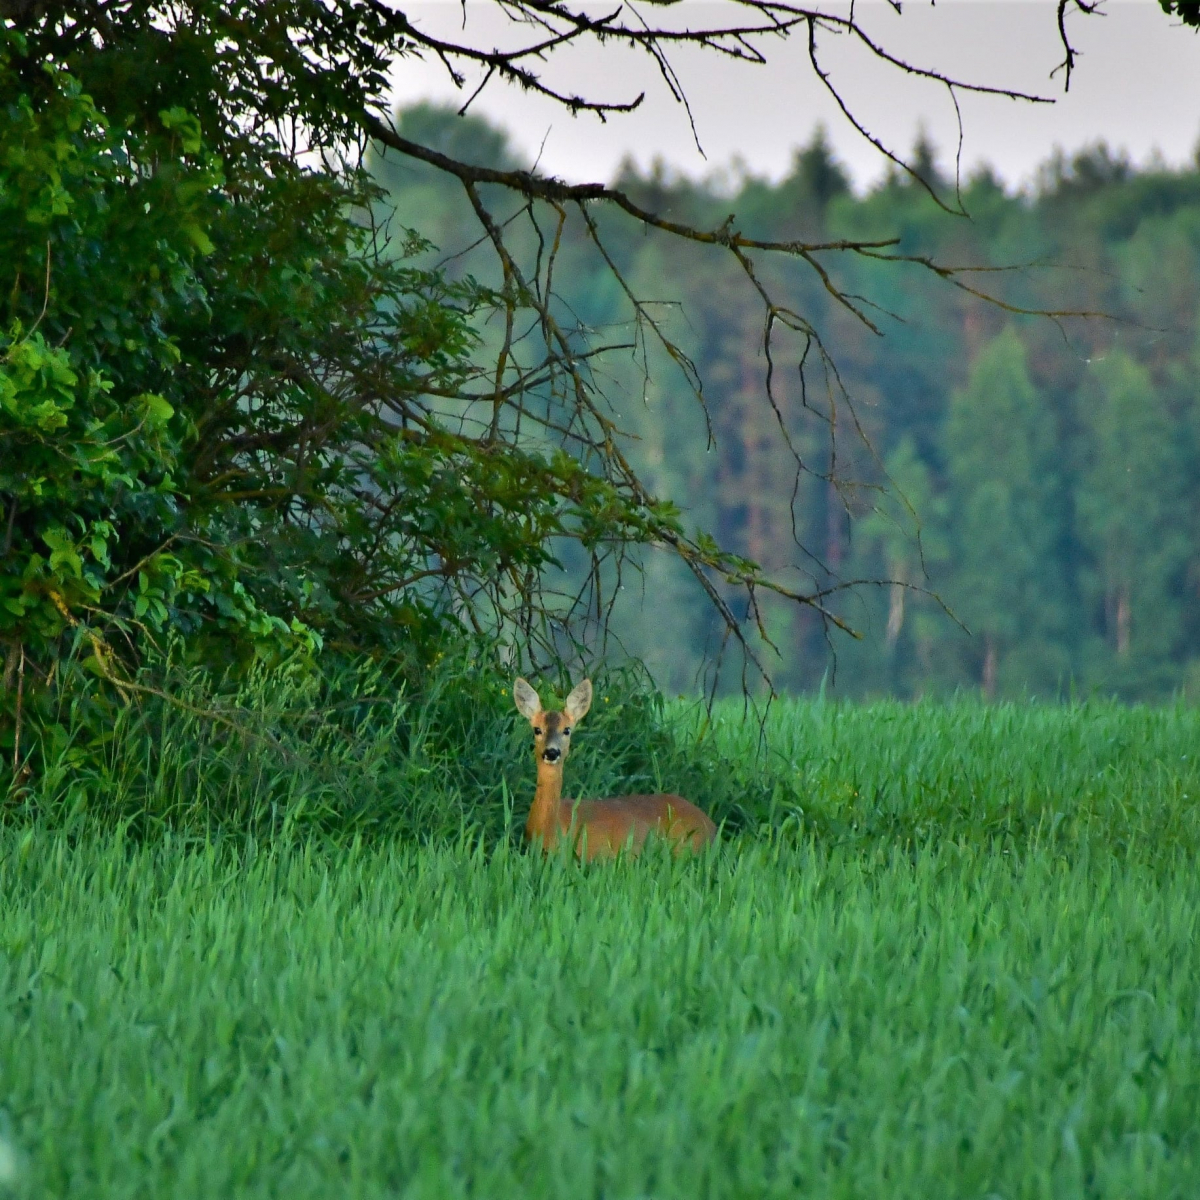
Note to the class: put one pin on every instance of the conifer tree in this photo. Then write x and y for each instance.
(1129, 503)
(1005, 522)
(906, 534)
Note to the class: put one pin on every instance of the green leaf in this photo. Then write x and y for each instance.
(185, 125)
(157, 411)
(199, 238)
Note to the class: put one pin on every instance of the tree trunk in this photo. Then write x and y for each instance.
(1124, 619)
(895, 621)
(989, 667)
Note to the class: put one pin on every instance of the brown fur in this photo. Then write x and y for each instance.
(596, 828)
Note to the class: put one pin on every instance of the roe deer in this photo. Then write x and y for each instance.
(597, 828)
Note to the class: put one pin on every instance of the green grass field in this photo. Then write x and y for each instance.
(951, 952)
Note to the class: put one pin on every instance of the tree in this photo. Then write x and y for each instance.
(1130, 503)
(1005, 520)
(193, 443)
(907, 530)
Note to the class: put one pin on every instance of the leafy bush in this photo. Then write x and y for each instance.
(192, 384)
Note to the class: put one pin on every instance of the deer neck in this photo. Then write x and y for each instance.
(543, 819)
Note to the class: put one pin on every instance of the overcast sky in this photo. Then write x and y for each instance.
(1136, 84)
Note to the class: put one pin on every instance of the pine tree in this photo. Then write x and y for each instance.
(1006, 521)
(1129, 504)
(904, 534)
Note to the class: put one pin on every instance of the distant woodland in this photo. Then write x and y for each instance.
(1014, 497)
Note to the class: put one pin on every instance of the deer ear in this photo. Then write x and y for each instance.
(528, 704)
(579, 701)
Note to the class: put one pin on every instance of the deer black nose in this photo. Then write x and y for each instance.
(552, 754)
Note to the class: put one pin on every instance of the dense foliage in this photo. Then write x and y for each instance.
(198, 353)
(1046, 472)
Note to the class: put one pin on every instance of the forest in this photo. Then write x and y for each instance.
(997, 501)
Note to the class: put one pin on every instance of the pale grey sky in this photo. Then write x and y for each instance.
(1136, 84)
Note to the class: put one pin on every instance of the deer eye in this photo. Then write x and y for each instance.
(537, 731)
(567, 731)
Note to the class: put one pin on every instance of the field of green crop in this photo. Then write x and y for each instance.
(949, 952)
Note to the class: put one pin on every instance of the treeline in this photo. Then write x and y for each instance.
(1022, 504)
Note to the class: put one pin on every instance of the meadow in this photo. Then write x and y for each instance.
(941, 950)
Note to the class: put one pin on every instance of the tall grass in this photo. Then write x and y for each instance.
(771, 1020)
(1113, 778)
(353, 754)
(295, 950)
(348, 754)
